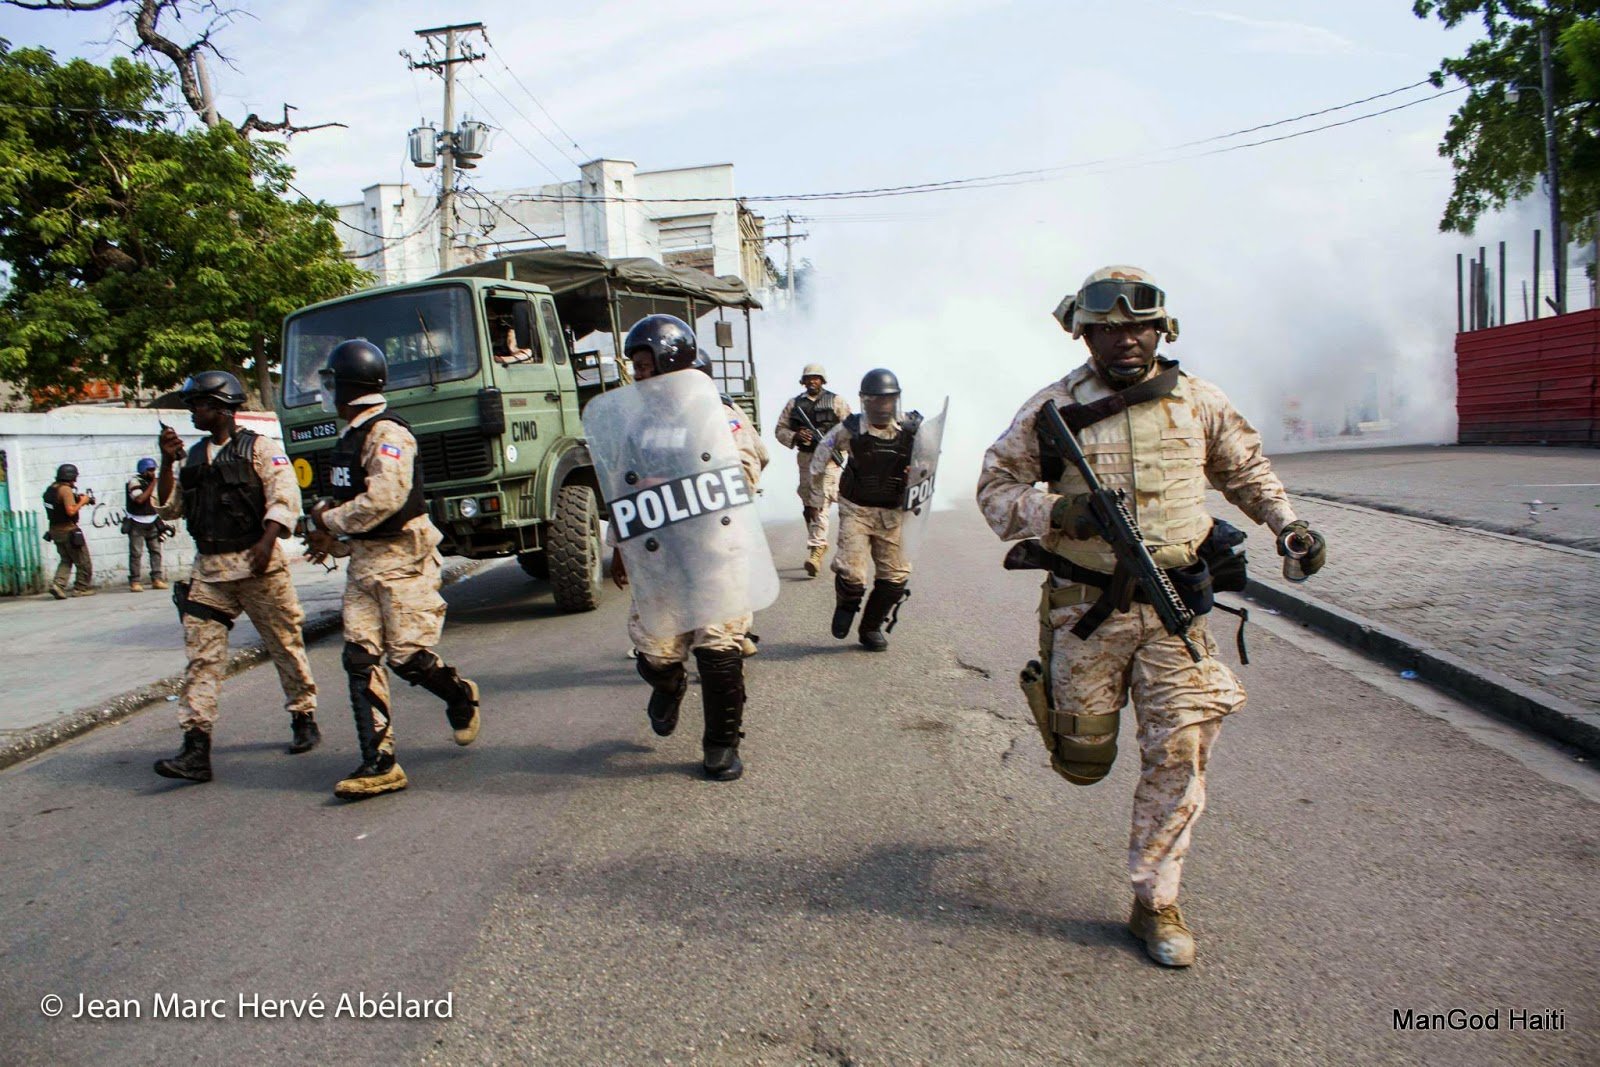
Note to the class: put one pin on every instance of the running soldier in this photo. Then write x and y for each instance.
(237, 493)
(392, 606)
(1159, 434)
(804, 421)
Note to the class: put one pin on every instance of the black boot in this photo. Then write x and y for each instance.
(459, 694)
(667, 686)
(307, 734)
(722, 690)
(193, 761)
(885, 598)
(848, 602)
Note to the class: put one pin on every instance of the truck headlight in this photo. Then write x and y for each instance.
(469, 508)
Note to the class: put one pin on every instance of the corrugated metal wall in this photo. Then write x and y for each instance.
(1531, 382)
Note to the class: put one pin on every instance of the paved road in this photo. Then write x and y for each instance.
(899, 877)
(1544, 493)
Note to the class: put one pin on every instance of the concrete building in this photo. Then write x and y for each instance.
(685, 217)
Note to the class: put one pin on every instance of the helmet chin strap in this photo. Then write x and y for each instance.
(1121, 379)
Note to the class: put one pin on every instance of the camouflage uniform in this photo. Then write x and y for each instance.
(392, 605)
(869, 538)
(663, 651)
(818, 490)
(1162, 453)
(223, 582)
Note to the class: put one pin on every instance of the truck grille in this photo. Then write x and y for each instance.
(446, 457)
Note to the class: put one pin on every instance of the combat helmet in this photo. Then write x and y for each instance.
(1116, 294)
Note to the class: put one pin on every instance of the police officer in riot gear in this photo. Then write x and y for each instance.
(656, 345)
(879, 442)
(237, 493)
(802, 424)
(62, 503)
(392, 607)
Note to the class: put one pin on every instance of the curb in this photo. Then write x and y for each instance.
(36, 739)
(1562, 720)
(1525, 531)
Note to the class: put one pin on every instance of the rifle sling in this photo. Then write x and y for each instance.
(1079, 417)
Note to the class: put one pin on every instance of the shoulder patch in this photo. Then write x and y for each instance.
(735, 425)
(390, 450)
(280, 461)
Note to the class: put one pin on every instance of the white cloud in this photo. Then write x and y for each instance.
(1286, 38)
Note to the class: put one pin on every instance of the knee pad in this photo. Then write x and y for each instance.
(668, 677)
(721, 673)
(357, 660)
(848, 592)
(1086, 762)
(417, 667)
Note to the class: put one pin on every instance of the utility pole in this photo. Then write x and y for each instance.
(1558, 243)
(446, 68)
(788, 255)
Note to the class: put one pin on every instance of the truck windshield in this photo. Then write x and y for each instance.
(428, 335)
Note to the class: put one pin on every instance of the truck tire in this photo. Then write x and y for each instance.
(573, 550)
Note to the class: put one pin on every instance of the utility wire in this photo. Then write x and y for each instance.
(479, 195)
(507, 68)
(1024, 177)
(514, 140)
(534, 125)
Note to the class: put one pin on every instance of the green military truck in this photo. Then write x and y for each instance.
(492, 364)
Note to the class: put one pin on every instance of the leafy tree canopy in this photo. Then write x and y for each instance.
(139, 253)
(1496, 147)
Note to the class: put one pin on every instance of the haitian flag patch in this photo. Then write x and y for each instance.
(280, 461)
(390, 450)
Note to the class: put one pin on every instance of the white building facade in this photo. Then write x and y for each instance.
(687, 217)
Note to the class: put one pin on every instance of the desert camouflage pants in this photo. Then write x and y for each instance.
(1179, 705)
(869, 545)
(665, 651)
(395, 615)
(272, 604)
(817, 494)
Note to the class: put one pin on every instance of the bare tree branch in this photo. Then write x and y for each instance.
(63, 5)
(256, 124)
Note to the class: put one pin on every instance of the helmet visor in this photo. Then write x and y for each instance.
(329, 394)
(1141, 298)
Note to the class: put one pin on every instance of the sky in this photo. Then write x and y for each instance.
(1297, 269)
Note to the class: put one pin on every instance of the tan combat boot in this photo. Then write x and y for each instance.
(1166, 939)
(158, 584)
(382, 775)
(135, 587)
(814, 560)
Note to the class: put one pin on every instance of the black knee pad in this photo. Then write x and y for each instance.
(357, 660)
(849, 592)
(723, 667)
(667, 677)
(417, 668)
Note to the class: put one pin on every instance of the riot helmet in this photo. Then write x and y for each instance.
(217, 386)
(146, 466)
(670, 343)
(355, 368)
(880, 396)
(67, 473)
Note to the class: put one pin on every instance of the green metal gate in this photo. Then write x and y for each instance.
(19, 544)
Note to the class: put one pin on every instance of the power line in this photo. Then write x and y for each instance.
(535, 126)
(507, 68)
(485, 198)
(1024, 177)
(514, 140)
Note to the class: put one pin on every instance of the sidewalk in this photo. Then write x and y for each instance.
(72, 664)
(1504, 621)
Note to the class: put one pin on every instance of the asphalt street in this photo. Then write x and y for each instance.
(899, 878)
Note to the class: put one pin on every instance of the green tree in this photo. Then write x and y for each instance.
(139, 252)
(1497, 147)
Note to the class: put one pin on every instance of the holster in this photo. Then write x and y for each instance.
(180, 597)
(1079, 762)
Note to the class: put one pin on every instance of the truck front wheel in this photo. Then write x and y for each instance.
(573, 550)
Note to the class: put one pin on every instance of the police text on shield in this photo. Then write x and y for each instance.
(679, 500)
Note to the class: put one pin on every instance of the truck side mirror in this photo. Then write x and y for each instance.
(522, 324)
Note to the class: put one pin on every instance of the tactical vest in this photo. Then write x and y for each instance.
(822, 415)
(224, 502)
(147, 508)
(55, 512)
(876, 474)
(348, 478)
(1156, 452)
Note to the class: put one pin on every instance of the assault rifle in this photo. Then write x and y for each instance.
(1109, 510)
(798, 410)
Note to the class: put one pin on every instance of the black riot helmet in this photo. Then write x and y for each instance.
(67, 473)
(217, 385)
(354, 369)
(669, 340)
(880, 382)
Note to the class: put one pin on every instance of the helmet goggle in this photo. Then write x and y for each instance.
(1140, 298)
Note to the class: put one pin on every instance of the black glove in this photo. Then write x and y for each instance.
(1071, 516)
(1300, 530)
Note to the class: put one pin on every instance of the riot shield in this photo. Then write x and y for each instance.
(918, 503)
(680, 503)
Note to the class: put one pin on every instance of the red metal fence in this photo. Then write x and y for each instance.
(1531, 382)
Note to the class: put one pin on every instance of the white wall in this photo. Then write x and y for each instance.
(105, 444)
